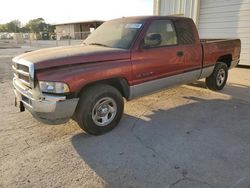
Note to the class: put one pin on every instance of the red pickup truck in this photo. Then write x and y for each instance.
(123, 58)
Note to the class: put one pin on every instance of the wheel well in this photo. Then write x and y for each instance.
(226, 59)
(120, 84)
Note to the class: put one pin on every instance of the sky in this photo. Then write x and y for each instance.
(58, 11)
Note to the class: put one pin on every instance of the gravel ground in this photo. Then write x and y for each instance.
(187, 136)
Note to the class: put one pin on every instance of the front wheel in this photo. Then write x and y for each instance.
(100, 109)
(217, 80)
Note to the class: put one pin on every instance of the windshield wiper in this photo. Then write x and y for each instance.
(98, 44)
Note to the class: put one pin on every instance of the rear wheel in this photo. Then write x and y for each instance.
(217, 80)
(100, 109)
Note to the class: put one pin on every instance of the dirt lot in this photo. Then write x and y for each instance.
(184, 137)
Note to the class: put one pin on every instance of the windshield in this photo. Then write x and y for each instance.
(115, 34)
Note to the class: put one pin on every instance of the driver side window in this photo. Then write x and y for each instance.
(160, 33)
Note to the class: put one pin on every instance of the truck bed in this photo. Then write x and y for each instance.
(215, 48)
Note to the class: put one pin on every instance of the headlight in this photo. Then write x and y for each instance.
(53, 87)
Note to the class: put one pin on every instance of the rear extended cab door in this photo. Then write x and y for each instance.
(177, 59)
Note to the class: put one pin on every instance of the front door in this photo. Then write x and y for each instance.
(159, 57)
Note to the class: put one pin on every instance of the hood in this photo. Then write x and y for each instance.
(69, 55)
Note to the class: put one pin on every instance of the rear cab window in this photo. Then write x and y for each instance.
(184, 32)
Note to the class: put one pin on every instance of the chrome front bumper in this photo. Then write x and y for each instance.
(50, 109)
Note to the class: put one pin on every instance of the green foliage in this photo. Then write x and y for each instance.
(51, 28)
(3, 28)
(34, 26)
(24, 29)
(13, 26)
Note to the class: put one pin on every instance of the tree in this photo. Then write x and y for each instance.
(51, 28)
(3, 28)
(25, 29)
(37, 25)
(13, 26)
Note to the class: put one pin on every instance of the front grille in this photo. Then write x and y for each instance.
(24, 72)
(23, 77)
(26, 100)
(22, 67)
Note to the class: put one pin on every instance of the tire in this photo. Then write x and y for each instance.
(100, 109)
(217, 80)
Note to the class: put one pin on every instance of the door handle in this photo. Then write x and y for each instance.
(179, 53)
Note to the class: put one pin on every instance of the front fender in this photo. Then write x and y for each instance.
(77, 76)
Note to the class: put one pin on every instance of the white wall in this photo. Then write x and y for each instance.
(187, 8)
(227, 19)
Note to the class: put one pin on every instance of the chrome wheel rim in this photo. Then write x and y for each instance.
(104, 111)
(221, 77)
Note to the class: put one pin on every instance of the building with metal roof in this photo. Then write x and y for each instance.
(76, 30)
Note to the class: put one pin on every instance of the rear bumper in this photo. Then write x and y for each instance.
(50, 109)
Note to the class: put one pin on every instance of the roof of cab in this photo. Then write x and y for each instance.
(145, 18)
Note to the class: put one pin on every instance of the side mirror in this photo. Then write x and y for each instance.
(151, 40)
